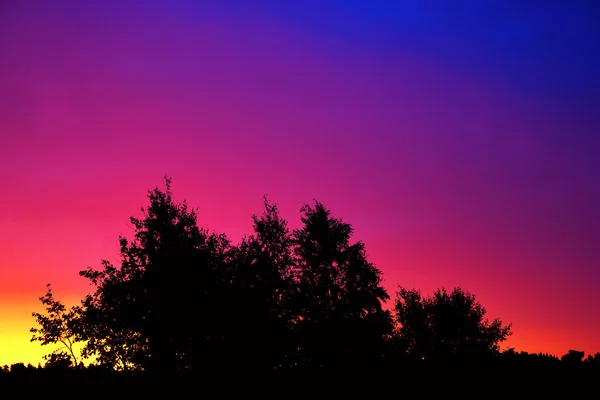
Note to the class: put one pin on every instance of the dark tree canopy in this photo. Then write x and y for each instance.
(573, 357)
(280, 299)
(340, 292)
(144, 313)
(446, 324)
(261, 294)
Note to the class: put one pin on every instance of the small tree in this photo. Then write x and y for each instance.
(593, 360)
(58, 360)
(58, 326)
(573, 357)
(446, 324)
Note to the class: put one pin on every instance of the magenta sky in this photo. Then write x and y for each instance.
(461, 145)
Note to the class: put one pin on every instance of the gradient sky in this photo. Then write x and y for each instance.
(460, 139)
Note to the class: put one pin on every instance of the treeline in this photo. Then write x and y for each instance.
(509, 368)
(281, 301)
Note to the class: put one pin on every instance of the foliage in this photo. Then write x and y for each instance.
(279, 299)
(58, 360)
(593, 360)
(261, 271)
(573, 357)
(141, 314)
(109, 320)
(340, 293)
(58, 326)
(446, 324)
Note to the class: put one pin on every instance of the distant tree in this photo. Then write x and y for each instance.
(59, 325)
(18, 367)
(573, 357)
(446, 324)
(58, 361)
(340, 296)
(593, 360)
(524, 362)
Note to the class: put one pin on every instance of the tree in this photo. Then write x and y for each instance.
(446, 324)
(58, 326)
(593, 360)
(573, 357)
(59, 360)
(275, 263)
(146, 312)
(415, 333)
(341, 318)
(259, 299)
(111, 318)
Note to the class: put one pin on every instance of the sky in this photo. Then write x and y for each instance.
(459, 139)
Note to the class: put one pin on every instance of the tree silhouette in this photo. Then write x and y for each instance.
(111, 316)
(340, 293)
(415, 333)
(262, 286)
(279, 300)
(58, 326)
(446, 324)
(573, 357)
(143, 313)
(59, 360)
(593, 360)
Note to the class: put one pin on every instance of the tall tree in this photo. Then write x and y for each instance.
(148, 307)
(262, 286)
(446, 323)
(340, 292)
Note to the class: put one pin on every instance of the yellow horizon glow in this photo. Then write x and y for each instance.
(16, 320)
